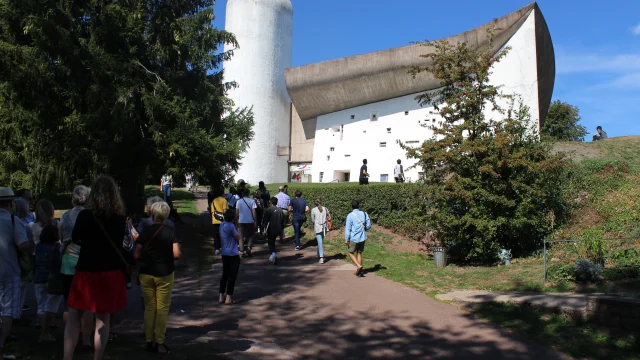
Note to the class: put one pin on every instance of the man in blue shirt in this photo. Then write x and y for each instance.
(298, 207)
(355, 234)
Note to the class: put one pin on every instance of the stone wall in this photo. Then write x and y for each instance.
(614, 313)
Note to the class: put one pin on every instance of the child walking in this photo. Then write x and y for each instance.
(229, 239)
(48, 262)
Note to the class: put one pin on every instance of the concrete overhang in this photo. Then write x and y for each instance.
(334, 85)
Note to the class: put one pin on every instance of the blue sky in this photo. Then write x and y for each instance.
(597, 43)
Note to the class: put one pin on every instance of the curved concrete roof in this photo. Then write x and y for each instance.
(334, 85)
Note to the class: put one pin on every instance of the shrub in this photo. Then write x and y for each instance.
(561, 272)
(624, 264)
(398, 207)
(587, 272)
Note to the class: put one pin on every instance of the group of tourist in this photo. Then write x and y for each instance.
(237, 218)
(83, 261)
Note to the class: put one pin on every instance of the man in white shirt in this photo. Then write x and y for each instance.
(246, 216)
(398, 172)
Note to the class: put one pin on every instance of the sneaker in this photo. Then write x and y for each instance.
(217, 252)
(272, 258)
(297, 248)
(321, 260)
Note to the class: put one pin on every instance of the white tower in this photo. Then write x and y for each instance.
(264, 30)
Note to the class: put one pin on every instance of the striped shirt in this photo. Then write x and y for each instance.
(283, 200)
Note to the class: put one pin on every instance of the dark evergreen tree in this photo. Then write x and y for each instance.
(130, 88)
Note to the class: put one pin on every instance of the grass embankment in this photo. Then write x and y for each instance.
(609, 203)
(574, 337)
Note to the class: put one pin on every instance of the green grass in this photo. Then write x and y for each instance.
(184, 201)
(561, 332)
(417, 270)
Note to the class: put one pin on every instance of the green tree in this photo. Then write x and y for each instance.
(491, 183)
(562, 123)
(128, 88)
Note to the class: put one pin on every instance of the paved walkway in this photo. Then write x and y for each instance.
(300, 309)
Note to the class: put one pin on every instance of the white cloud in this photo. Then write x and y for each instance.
(636, 29)
(629, 82)
(572, 63)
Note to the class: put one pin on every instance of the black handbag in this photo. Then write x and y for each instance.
(54, 285)
(217, 214)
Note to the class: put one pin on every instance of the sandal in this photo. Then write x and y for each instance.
(359, 271)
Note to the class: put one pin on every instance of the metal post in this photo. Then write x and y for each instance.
(545, 262)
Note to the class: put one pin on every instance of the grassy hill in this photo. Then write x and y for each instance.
(607, 197)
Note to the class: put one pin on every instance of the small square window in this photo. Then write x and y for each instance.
(353, 117)
(364, 131)
(384, 177)
(328, 158)
(388, 130)
(347, 155)
(332, 149)
(406, 113)
(433, 120)
(374, 115)
(321, 176)
(383, 144)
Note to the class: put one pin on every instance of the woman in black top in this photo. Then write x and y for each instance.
(156, 249)
(99, 284)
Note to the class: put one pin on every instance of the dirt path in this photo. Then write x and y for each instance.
(324, 312)
(300, 309)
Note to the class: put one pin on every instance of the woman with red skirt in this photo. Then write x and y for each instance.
(99, 284)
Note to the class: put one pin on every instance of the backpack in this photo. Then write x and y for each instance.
(265, 196)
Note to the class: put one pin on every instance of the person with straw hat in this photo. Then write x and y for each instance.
(13, 238)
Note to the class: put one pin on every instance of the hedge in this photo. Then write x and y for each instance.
(398, 207)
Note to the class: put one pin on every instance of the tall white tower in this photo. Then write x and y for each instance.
(264, 30)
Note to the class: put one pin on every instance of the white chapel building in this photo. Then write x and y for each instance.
(316, 123)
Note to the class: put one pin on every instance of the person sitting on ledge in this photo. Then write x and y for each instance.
(600, 135)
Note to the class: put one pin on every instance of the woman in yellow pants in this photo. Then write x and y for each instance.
(157, 249)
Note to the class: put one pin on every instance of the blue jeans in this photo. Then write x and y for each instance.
(297, 224)
(319, 237)
(165, 192)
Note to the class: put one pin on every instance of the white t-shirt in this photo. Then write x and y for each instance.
(397, 171)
